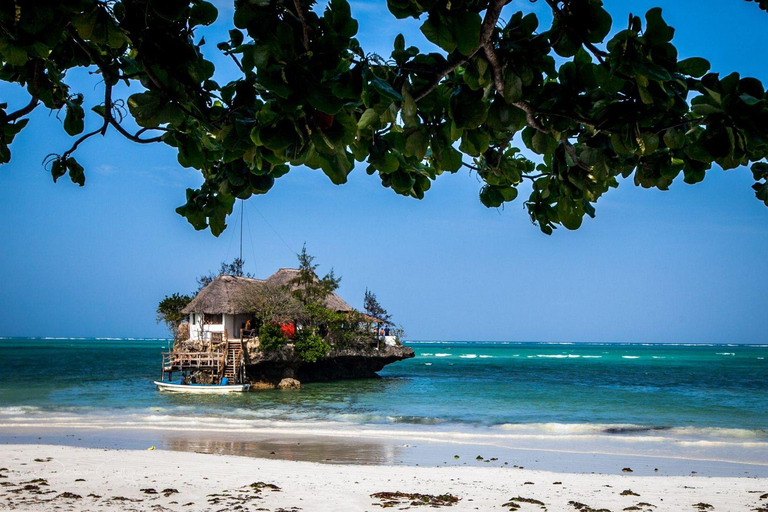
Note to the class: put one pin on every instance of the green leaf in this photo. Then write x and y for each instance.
(235, 37)
(76, 173)
(13, 55)
(466, 31)
(324, 100)
(569, 214)
(437, 31)
(367, 119)
(749, 100)
(645, 96)
(695, 67)
(402, 182)
(475, 142)
(652, 71)
(386, 161)
(337, 167)
(543, 143)
(650, 143)
(760, 170)
(509, 193)
(657, 31)
(73, 122)
(203, 13)
(399, 42)
(11, 130)
(144, 106)
(409, 110)
(491, 197)
(513, 86)
(761, 192)
(468, 109)
(674, 138)
(382, 87)
(416, 144)
(279, 136)
(84, 23)
(58, 169)
(451, 161)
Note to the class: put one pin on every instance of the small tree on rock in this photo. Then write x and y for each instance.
(373, 308)
(310, 290)
(235, 268)
(169, 311)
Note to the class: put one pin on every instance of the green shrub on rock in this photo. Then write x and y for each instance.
(271, 338)
(310, 347)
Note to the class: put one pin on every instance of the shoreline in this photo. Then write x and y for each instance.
(40, 476)
(402, 448)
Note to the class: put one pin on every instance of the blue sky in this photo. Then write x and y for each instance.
(678, 266)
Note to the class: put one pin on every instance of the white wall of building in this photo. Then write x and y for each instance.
(198, 330)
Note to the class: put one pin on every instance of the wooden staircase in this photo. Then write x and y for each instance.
(233, 357)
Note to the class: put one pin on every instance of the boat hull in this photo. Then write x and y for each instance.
(200, 388)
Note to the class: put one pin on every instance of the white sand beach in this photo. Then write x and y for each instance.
(47, 477)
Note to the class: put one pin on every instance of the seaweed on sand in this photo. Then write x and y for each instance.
(392, 499)
(514, 503)
(581, 507)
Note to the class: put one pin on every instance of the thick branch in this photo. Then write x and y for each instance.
(13, 116)
(530, 115)
(442, 74)
(79, 141)
(33, 102)
(135, 137)
(486, 32)
(304, 26)
(572, 153)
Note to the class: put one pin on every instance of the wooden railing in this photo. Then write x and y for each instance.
(188, 360)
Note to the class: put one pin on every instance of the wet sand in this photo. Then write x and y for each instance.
(41, 477)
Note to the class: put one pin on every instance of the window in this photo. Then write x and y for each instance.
(209, 319)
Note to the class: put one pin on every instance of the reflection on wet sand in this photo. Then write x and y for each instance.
(310, 450)
(330, 450)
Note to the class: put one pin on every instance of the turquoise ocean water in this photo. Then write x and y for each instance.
(610, 388)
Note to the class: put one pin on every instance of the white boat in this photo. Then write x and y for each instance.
(201, 388)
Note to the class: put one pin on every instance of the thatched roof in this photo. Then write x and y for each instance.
(284, 276)
(224, 293)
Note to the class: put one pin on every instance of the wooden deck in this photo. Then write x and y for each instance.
(227, 361)
(186, 361)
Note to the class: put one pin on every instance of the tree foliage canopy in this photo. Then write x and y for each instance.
(373, 308)
(169, 311)
(235, 268)
(593, 108)
(308, 288)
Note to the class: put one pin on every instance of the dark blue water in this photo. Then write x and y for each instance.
(447, 384)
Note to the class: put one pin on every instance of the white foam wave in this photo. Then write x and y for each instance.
(630, 357)
(443, 355)
(469, 356)
(726, 353)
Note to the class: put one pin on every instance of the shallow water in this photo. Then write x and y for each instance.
(712, 394)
